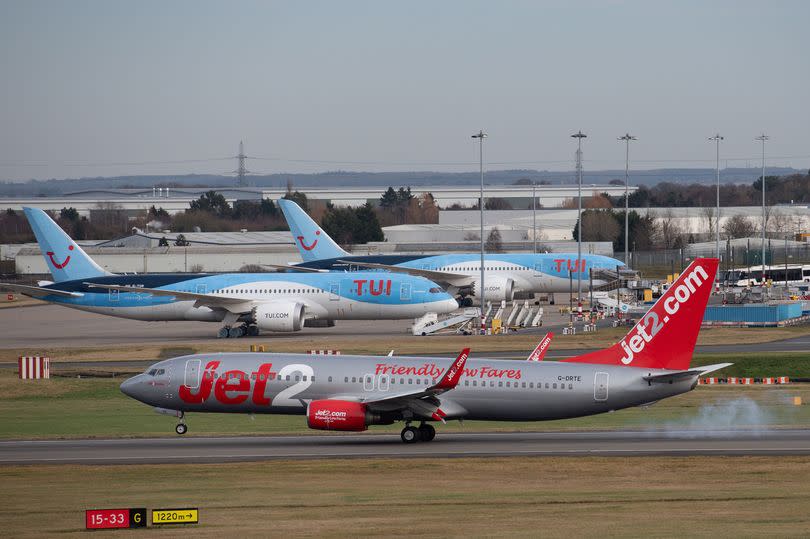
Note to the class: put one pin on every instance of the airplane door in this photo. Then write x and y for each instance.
(368, 382)
(334, 291)
(201, 289)
(113, 295)
(600, 386)
(538, 269)
(405, 292)
(192, 376)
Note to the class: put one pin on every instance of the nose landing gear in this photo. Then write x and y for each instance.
(424, 433)
(181, 428)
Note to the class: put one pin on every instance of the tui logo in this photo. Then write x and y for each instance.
(312, 245)
(56, 264)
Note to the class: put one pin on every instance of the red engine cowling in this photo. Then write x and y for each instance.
(337, 415)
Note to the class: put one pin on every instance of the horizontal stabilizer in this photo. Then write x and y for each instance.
(40, 292)
(683, 375)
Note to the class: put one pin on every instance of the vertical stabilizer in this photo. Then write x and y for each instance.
(312, 242)
(665, 337)
(66, 260)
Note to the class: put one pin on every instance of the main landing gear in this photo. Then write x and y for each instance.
(181, 427)
(234, 332)
(424, 433)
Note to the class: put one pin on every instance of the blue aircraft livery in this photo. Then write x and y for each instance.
(505, 274)
(245, 303)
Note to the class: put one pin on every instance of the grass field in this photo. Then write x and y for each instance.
(94, 407)
(549, 497)
(381, 344)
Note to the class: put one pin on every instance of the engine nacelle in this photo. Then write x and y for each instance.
(497, 288)
(338, 415)
(279, 316)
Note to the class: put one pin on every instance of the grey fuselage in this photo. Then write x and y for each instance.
(504, 390)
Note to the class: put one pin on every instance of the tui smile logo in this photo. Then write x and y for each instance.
(312, 245)
(56, 264)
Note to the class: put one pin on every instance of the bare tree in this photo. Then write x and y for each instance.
(494, 243)
(739, 226)
(707, 220)
(671, 233)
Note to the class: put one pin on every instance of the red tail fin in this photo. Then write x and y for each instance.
(540, 350)
(665, 337)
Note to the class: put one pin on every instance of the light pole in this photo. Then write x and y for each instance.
(717, 138)
(626, 138)
(481, 136)
(579, 135)
(534, 215)
(762, 138)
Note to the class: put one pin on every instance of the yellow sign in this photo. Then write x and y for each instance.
(175, 516)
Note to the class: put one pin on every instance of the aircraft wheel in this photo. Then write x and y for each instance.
(410, 435)
(222, 333)
(181, 428)
(252, 331)
(426, 432)
(235, 333)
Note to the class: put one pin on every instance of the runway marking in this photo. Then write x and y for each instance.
(426, 454)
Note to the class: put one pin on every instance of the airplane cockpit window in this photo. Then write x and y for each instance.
(436, 290)
(152, 372)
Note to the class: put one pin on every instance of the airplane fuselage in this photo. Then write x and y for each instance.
(502, 390)
(338, 296)
(539, 273)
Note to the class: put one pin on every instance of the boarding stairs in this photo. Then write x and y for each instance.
(430, 322)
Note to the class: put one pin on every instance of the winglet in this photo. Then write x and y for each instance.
(540, 351)
(453, 374)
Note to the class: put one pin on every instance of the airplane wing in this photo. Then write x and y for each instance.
(440, 277)
(424, 402)
(40, 292)
(682, 375)
(540, 351)
(236, 305)
(300, 269)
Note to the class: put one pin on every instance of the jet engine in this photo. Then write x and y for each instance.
(497, 288)
(279, 316)
(342, 415)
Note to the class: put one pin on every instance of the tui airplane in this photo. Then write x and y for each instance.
(246, 303)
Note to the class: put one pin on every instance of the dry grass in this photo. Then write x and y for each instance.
(20, 301)
(402, 344)
(530, 497)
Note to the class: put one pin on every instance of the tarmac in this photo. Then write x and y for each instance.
(537, 444)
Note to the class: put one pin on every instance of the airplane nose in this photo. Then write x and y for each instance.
(128, 386)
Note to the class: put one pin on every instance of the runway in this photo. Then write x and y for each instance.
(537, 444)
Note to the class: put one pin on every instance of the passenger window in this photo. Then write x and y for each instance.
(418, 381)
(570, 386)
(402, 380)
(554, 386)
(531, 385)
(288, 377)
(304, 378)
(507, 384)
(346, 379)
(410, 380)
(500, 384)
(523, 384)
(546, 385)
(466, 382)
(330, 378)
(475, 383)
(354, 379)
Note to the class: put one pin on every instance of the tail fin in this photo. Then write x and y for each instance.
(64, 257)
(665, 337)
(539, 351)
(312, 242)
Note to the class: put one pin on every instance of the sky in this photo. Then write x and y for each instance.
(104, 88)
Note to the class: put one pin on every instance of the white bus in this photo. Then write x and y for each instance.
(752, 276)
